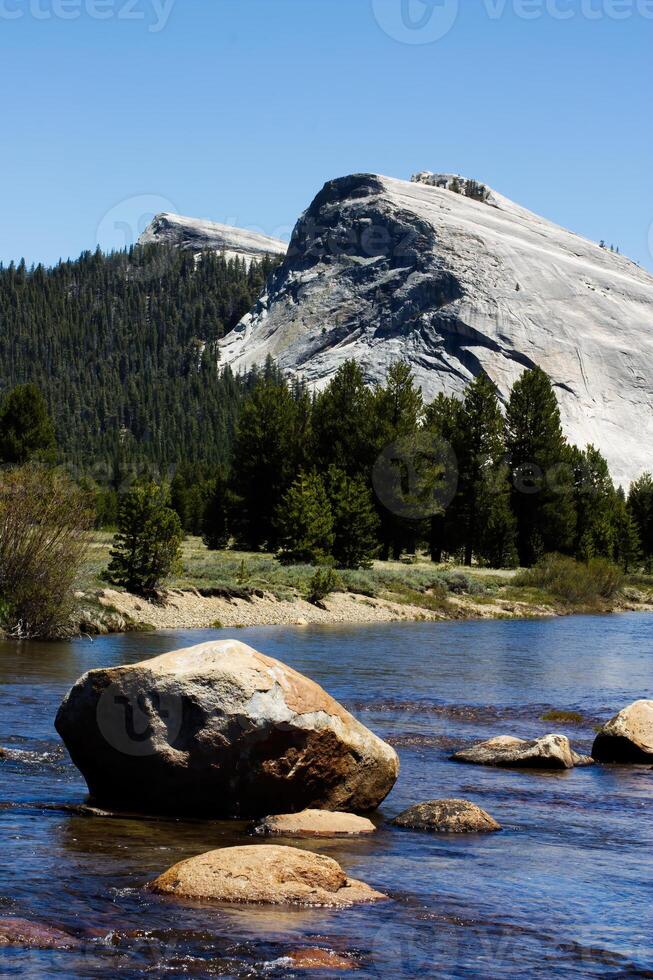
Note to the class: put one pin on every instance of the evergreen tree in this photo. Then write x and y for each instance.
(542, 476)
(627, 549)
(189, 492)
(343, 423)
(305, 522)
(215, 526)
(147, 545)
(272, 436)
(482, 505)
(594, 500)
(398, 409)
(640, 503)
(26, 430)
(355, 521)
(443, 421)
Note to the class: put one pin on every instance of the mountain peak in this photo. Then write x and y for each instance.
(381, 269)
(199, 235)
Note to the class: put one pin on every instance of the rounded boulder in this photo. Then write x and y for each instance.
(264, 874)
(628, 737)
(549, 752)
(447, 817)
(313, 823)
(220, 730)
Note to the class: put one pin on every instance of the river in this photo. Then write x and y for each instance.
(564, 890)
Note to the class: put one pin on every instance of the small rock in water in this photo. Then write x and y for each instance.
(314, 823)
(549, 752)
(319, 959)
(264, 874)
(628, 737)
(34, 935)
(447, 817)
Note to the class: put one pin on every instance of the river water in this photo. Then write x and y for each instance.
(565, 890)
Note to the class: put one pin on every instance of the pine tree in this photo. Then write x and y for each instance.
(147, 545)
(343, 423)
(541, 471)
(355, 521)
(640, 503)
(215, 528)
(26, 430)
(594, 500)
(270, 447)
(398, 408)
(627, 548)
(443, 423)
(305, 522)
(482, 506)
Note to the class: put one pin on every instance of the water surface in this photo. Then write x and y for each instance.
(564, 890)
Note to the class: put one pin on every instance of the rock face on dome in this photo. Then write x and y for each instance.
(455, 278)
(199, 236)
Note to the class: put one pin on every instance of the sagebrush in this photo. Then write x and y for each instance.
(45, 520)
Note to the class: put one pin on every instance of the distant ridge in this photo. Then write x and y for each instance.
(198, 236)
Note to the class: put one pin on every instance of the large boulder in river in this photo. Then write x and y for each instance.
(549, 752)
(447, 817)
(220, 730)
(628, 737)
(264, 874)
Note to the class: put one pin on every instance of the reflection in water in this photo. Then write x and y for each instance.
(562, 891)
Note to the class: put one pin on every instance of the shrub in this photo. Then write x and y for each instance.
(44, 525)
(147, 546)
(572, 581)
(323, 583)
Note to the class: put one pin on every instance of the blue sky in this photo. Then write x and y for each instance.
(239, 110)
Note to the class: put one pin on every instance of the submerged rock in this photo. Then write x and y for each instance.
(447, 817)
(34, 935)
(318, 959)
(628, 737)
(549, 752)
(264, 874)
(220, 730)
(314, 823)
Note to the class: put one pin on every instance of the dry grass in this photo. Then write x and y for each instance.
(400, 581)
(443, 589)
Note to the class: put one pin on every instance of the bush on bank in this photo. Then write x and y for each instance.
(572, 581)
(44, 535)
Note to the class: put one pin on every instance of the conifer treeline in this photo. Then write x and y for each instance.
(123, 347)
(305, 478)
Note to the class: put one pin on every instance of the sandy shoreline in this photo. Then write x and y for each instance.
(114, 611)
